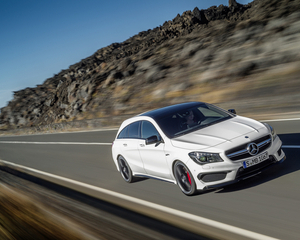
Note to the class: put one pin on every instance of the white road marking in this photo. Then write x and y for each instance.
(280, 120)
(188, 216)
(95, 143)
(63, 143)
(63, 132)
(290, 146)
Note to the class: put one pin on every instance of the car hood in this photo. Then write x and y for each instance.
(218, 133)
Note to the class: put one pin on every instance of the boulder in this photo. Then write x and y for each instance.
(199, 15)
(233, 3)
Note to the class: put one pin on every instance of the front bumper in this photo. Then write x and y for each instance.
(243, 174)
(235, 173)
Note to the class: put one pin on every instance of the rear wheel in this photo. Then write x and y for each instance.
(184, 179)
(125, 169)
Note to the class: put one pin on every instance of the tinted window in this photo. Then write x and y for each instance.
(124, 133)
(131, 131)
(149, 130)
(184, 121)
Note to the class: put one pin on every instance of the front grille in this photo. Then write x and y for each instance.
(248, 172)
(241, 151)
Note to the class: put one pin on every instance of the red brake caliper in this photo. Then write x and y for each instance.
(188, 175)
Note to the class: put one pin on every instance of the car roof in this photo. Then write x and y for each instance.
(161, 112)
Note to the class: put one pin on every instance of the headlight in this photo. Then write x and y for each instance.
(272, 130)
(204, 158)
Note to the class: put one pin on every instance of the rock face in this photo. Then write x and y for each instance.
(219, 55)
(233, 3)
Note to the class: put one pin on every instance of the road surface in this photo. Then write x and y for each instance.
(267, 204)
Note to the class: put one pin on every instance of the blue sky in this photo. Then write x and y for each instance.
(39, 38)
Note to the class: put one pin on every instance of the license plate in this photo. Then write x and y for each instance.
(256, 160)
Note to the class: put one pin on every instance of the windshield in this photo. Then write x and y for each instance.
(191, 119)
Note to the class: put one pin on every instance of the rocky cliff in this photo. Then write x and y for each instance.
(245, 56)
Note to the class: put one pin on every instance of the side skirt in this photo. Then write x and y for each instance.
(156, 178)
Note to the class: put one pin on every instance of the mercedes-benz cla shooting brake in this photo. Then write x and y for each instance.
(195, 145)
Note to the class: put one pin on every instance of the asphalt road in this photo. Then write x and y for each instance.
(267, 204)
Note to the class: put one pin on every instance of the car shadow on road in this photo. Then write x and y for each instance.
(139, 179)
(290, 165)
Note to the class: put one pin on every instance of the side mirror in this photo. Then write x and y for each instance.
(232, 111)
(151, 140)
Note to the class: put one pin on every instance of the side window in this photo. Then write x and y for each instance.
(123, 133)
(149, 130)
(134, 129)
(131, 131)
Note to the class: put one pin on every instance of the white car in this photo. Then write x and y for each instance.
(195, 145)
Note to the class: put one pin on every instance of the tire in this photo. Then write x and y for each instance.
(125, 170)
(184, 179)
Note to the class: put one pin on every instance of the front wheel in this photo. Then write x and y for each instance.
(125, 169)
(184, 179)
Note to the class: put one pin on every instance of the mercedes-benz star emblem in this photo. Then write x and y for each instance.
(252, 148)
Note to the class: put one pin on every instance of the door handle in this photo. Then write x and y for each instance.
(125, 144)
(142, 145)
